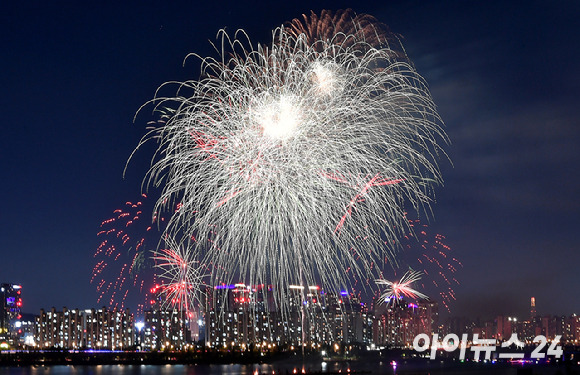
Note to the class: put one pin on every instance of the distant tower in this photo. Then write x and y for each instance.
(533, 308)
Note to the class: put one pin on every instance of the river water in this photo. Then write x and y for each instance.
(280, 369)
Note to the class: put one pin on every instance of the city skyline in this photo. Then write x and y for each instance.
(236, 317)
(267, 302)
(502, 76)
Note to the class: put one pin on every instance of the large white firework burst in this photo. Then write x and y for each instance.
(292, 161)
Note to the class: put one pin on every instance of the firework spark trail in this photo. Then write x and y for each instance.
(430, 253)
(281, 156)
(427, 252)
(401, 288)
(122, 267)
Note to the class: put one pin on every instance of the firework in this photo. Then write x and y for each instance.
(345, 28)
(402, 288)
(284, 155)
(123, 271)
(182, 277)
(427, 251)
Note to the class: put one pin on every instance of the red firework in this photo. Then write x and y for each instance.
(429, 253)
(123, 271)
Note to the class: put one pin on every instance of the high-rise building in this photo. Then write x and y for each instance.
(10, 306)
(398, 322)
(575, 329)
(25, 329)
(533, 308)
(166, 327)
(346, 318)
(506, 325)
(238, 315)
(93, 329)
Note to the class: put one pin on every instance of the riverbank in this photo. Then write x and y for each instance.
(49, 358)
(213, 362)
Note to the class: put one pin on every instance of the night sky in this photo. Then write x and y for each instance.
(505, 77)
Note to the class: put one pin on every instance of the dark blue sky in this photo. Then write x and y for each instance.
(505, 78)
